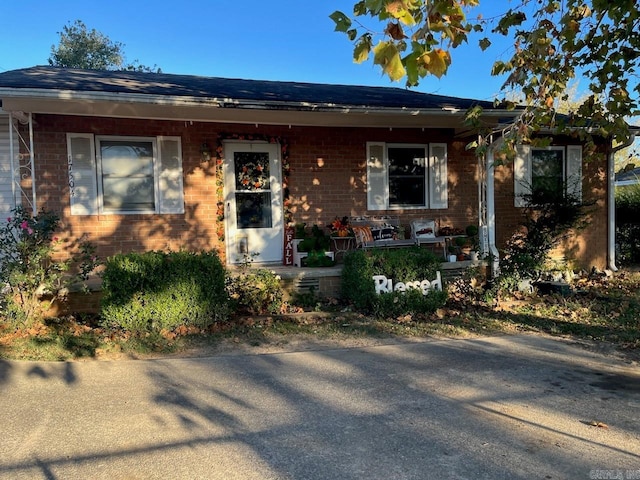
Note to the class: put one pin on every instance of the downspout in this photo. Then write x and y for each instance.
(34, 207)
(611, 203)
(494, 254)
(12, 159)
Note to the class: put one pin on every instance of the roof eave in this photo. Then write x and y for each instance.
(183, 108)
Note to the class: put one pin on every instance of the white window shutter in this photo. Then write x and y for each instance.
(170, 184)
(574, 171)
(522, 175)
(438, 181)
(377, 180)
(83, 183)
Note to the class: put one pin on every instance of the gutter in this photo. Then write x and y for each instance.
(215, 102)
(611, 202)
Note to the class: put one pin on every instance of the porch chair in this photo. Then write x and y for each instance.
(423, 232)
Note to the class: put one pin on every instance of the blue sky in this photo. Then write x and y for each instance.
(291, 40)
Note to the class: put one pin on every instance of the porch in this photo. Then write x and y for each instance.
(325, 281)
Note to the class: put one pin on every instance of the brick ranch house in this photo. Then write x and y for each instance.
(143, 161)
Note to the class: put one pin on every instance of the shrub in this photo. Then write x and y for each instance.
(410, 302)
(357, 279)
(545, 224)
(154, 291)
(628, 244)
(255, 292)
(400, 265)
(627, 204)
(28, 271)
(628, 224)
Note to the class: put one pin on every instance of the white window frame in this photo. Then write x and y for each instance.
(436, 181)
(156, 198)
(85, 174)
(523, 171)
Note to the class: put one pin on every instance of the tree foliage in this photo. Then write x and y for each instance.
(554, 42)
(91, 50)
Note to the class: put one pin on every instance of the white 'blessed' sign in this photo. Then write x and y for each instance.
(385, 285)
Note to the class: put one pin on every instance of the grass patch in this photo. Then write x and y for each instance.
(600, 309)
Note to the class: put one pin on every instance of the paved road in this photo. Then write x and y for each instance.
(507, 407)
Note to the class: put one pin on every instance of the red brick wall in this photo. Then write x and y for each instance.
(123, 233)
(328, 175)
(327, 179)
(586, 249)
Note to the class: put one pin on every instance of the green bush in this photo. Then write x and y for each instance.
(628, 224)
(153, 291)
(628, 244)
(403, 265)
(627, 204)
(410, 302)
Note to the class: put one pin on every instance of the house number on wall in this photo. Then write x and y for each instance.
(70, 172)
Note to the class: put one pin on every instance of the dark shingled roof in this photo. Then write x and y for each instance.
(227, 89)
(632, 174)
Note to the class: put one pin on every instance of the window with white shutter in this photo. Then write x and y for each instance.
(406, 176)
(124, 175)
(542, 174)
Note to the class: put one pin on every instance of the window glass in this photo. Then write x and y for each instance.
(253, 210)
(253, 195)
(127, 175)
(407, 176)
(547, 174)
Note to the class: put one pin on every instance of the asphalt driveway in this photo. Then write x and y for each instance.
(505, 407)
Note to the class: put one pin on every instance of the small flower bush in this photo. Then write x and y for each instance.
(255, 292)
(28, 271)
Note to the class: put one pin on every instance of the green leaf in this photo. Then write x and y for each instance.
(387, 56)
(413, 69)
(484, 43)
(510, 19)
(498, 68)
(374, 6)
(343, 23)
(360, 9)
(362, 49)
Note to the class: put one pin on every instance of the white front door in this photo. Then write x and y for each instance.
(253, 201)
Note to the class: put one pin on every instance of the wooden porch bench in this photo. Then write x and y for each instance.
(378, 232)
(383, 231)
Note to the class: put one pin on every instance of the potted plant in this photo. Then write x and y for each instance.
(317, 258)
(300, 231)
(452, 253)
(340, 227)
(311, 247)
(472, 235)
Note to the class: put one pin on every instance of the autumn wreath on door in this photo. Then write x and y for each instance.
(254, 176)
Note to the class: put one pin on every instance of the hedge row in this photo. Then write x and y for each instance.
(152, 291)
(155, 290)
